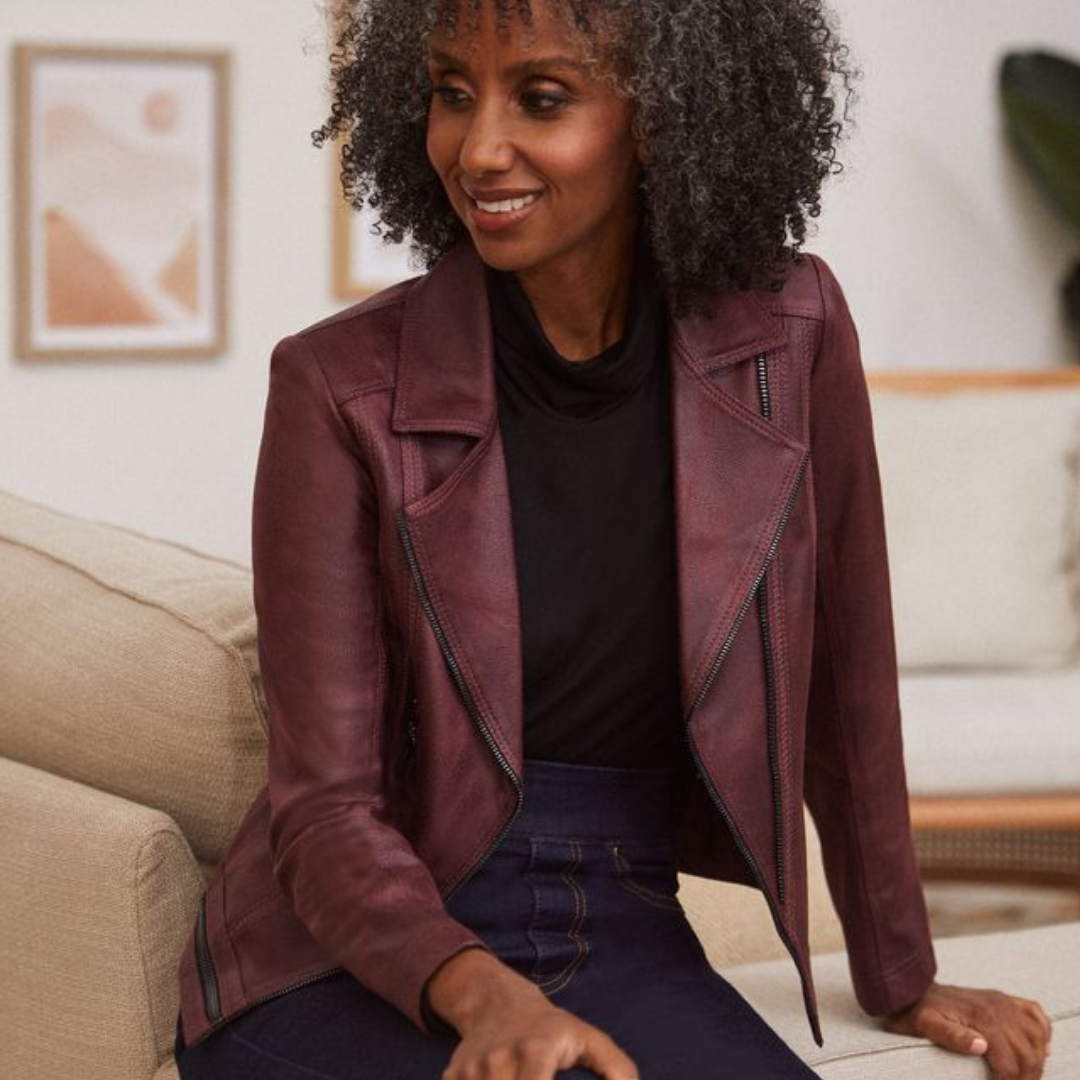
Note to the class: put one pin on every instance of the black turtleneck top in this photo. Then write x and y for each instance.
(588, 451)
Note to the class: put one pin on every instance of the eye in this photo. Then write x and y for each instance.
(543, 102)
(449, 95)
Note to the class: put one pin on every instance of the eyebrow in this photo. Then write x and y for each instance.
(533, 66)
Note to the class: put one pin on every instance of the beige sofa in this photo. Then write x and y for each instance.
(981, 480)
(132, 737)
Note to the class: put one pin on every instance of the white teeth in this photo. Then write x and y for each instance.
(505, 205)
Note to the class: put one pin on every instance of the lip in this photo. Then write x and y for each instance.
(488, 222)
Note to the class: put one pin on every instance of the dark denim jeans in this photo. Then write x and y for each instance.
(580, 896)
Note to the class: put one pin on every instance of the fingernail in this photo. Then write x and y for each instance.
(978, 1044)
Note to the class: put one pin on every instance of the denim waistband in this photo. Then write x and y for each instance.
(564, 799)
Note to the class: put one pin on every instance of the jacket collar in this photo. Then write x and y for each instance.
(734, 475)
(447, 316)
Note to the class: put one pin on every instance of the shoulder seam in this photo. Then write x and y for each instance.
(341, 394)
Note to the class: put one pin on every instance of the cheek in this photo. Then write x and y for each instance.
(440, 146)
(595, 165)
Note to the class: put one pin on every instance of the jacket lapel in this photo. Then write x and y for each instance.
(461, 529)
(733, 474)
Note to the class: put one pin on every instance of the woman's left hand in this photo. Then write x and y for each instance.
(1012, 1033)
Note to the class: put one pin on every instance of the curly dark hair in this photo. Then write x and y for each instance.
(740, 103)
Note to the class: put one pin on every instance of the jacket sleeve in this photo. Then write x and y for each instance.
(355, 881)
(855, 784)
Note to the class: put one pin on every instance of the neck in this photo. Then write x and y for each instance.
(582, 307)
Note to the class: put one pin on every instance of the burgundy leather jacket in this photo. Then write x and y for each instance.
(389, 644)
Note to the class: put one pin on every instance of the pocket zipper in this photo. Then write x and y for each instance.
(208, 975)
(771, 723)
(205, 963)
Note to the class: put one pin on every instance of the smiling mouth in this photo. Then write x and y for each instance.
(504, 206)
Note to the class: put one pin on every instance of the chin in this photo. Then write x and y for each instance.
(502, 256)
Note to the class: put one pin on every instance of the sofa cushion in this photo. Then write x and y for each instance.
(733, 921)
(1039, 963)
(98, 896)
(129, 663)
(991, 733)
(982, 503)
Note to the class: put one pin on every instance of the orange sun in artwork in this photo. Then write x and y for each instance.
(161, 111)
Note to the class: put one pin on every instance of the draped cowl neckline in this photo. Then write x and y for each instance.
(530, 369)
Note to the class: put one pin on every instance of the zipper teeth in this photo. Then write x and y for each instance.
(466, 697)
(205, 964)
(772, 739)
(710, 787)
(740, 844)
(269, 997)
(748, 598)
(771, 734)
(763, 388)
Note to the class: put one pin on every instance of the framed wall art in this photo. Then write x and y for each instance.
(363, 264)
(121, 187)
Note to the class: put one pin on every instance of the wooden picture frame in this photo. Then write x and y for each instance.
(122, 181)
(362, 263)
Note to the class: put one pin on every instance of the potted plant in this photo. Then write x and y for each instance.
(1040, 96)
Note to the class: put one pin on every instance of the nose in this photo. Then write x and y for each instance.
(487, 146)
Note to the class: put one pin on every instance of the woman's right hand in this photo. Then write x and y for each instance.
(510, 1030)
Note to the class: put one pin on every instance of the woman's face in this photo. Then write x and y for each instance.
(536, 156)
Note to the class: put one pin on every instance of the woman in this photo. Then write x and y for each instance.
(552, 602)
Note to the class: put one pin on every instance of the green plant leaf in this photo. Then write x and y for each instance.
(1040, 96)
(1071, 295)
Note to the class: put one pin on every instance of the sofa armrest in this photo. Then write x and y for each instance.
(98, 895)
(1038, 962)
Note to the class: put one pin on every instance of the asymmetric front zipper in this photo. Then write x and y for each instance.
(710, 678)
(466, 696)
(771, 733)
(207, 975)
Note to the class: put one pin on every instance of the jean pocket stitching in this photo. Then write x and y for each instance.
(625, 874)
(561, 979)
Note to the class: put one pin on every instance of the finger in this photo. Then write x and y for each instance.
(954, 1035)
(1027, 1042)
(1002, 1058)
(1036, 1010)
(1016, 1025)
(499, 1063)
(538, 1066)
(603, 1055)
(461, 1066)
(1036, 1029)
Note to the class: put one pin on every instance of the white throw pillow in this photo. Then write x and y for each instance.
(981, 488)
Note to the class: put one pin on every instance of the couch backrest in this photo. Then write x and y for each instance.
(129, 663)
(981, 483)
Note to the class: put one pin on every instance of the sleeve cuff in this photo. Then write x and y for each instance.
(435, 1024)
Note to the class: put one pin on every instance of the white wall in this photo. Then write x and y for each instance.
(169, 446)
(947, 256)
